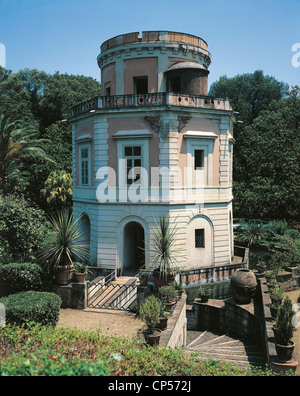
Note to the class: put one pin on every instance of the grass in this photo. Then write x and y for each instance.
(44, 351)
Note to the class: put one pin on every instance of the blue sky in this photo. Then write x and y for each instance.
(65, 35)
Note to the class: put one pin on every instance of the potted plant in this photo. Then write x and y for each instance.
(269, 275)
(168, 295)
(276, 295)
(204, 294)
(81, 271)
(65, 246)
(284, 331)
(163, 317)
(272, 284)
(274, 308)
(180, 289)
(149, 313)
(163, 253)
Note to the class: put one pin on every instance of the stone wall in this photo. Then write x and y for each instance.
(73, 296)
(225, 317)
(267, 332)
(175, 334)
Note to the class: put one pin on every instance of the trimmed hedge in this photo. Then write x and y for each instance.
(18, 277)
(32, 306)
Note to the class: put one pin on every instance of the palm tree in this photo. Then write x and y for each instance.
(17, 142)
(163, 251)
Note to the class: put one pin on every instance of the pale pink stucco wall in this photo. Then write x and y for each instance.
(130, 123)
(200, 124)
(140, 67)
(108, 77)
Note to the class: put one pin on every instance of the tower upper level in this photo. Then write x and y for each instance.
(156, 61)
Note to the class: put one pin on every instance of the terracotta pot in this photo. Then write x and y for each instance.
(153, 338)
(63, 275)
(285, 352)
(163, 280)
(81, 278)
(170, 305)
(163, 323)
(243, 286)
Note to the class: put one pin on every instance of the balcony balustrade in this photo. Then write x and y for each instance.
(150, 100)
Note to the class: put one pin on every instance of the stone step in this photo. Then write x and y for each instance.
(224, 348)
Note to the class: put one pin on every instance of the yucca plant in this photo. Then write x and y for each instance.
(252, 234)
(67, 243)
(164, 254)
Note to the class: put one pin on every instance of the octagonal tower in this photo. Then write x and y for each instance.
(154, 116)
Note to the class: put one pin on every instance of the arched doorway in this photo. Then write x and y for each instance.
(133, 248)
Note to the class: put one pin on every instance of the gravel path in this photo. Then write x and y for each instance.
(109, 322)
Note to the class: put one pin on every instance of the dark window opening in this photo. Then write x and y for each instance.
(108, 91)
(199, 238)
(140, 85)
(175, 84)
(199, 159)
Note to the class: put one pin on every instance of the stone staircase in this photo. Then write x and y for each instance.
(224, 348)
(118, 294)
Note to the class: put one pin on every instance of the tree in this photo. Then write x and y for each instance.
(249, 93)
(269, 161)
(267, 150)
(23, 228)
(58, 189)
(61, 93)
(17, 142)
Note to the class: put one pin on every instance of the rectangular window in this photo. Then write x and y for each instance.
(199, 159)
(133, 156)
(84, 165)
(140, 85)
(199, 238)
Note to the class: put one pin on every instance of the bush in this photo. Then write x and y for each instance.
(22, 228)
(20, 277)
(294, 234)
(150, 312)
(32, 306)
(41, 363)
(168, 293)
(279, 227)
(284, 322)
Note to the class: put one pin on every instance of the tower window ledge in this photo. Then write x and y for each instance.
(200, 135)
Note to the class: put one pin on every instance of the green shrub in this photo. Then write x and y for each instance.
(279, 227)
(41, 363)
(294, 234)
(168, 293)
(150, 312)
(21, 277)
(284, 322)
(22, 229)
(32, 306)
